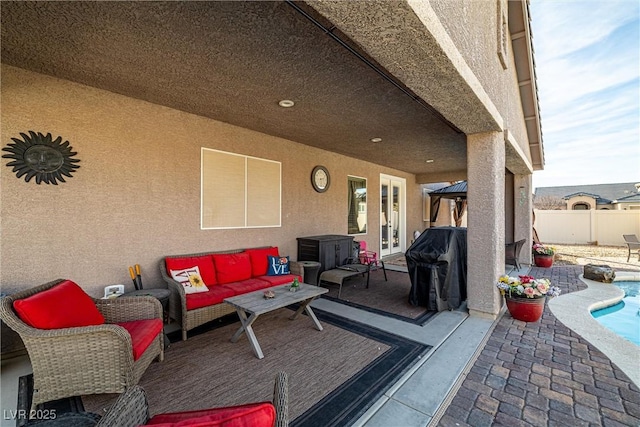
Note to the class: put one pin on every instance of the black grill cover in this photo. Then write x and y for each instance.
(437, 264)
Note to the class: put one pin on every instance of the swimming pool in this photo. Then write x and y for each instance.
(623, 318)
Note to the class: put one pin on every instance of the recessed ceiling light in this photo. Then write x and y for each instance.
(376, 139)
(285, 103)
(430, 161)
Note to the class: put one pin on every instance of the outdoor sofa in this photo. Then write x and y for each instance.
(225, 274)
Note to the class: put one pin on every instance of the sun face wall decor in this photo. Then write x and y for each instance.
(40, 156)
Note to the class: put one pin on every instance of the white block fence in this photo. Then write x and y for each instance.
(583, 227)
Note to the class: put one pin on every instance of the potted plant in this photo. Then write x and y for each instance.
(543, 255)
(525, 296)
(295, 285)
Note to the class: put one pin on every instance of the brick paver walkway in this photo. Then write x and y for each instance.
(543, 374)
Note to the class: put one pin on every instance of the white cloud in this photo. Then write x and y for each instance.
(555, 22)
(587, 57)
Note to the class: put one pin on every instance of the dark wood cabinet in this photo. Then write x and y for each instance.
(329, 250)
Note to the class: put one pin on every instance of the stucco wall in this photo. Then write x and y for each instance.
(136, 196)
(472, 26)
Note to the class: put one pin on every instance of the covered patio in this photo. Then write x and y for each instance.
(140, 89)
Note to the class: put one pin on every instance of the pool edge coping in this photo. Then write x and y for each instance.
(574, 311)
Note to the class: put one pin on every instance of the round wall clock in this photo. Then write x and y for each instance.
(320, 179)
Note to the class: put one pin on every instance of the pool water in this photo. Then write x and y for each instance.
(623, 318)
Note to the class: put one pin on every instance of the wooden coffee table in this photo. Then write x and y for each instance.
(251, 305)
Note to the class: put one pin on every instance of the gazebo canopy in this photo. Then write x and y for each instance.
(457, 192)
(459, 189)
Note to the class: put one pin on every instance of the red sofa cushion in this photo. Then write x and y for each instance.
(213, 296)
(232, 267)
(246, 286)
(280, 280)
(142, 332)
(252, 415)
(258, 257)
(204, 263)
(65, 305)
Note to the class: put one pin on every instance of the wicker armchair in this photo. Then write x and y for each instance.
(512, 253)
(132, 409)
(85, 360)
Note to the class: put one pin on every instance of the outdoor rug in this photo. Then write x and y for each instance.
(335, 375)
(390, 298)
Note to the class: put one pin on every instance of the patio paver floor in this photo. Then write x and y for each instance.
(543, 374)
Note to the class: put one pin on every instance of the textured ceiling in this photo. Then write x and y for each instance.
(233, 62)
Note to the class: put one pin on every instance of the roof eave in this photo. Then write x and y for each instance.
(528, 83)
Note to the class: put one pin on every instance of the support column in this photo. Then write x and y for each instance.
(485, 227)
(523, 215)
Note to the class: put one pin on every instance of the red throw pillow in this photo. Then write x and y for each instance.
(65, 305)
(232, 267)
(204, 264)
(252, 415)
(259, 259)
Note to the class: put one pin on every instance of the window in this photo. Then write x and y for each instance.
(357, 205)
(239, 191)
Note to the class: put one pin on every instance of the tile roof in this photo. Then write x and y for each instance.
(599, 200)
(604, 192)
(631, 198)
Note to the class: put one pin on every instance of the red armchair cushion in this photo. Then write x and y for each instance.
(232, 267)
(65, 305)
(204, 264)
(213, 296)
(258, 257)
(142, 332)
(252, 415)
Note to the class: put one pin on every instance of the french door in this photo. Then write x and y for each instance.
(392, 215)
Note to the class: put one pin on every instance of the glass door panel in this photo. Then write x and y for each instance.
(384, 211)
(395, 217)
(391, 215)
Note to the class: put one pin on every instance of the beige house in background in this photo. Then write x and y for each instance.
(394, 94)
(620, 196)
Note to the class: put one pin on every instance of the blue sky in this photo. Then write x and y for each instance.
(587, 56)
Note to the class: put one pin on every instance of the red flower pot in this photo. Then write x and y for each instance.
(545, 261)
(525, 309)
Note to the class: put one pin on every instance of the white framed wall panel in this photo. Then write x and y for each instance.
(239, 191)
